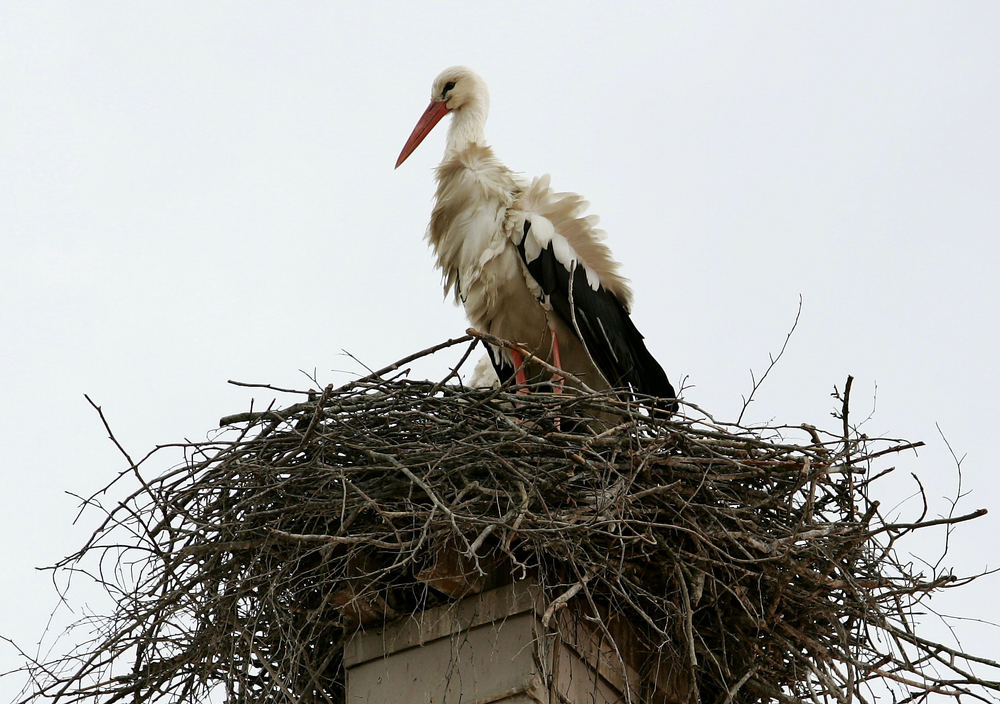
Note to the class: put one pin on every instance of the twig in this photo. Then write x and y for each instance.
(773, 361)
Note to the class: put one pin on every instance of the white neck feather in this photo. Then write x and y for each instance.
(468, 126)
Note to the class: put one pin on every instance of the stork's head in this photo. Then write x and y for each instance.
(458, 90)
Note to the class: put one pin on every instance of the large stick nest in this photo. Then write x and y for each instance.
(753, 561)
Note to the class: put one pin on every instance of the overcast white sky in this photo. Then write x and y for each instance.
(191, 193)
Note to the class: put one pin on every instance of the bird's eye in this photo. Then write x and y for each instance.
(447, 87)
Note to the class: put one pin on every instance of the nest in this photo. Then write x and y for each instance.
(756, 565)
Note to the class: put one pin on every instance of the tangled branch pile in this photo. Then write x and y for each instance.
(757, 565)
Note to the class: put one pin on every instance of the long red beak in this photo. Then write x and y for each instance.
(432, 115)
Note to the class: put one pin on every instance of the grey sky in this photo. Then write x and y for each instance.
(192, 193)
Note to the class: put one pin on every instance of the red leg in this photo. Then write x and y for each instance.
(557, 379)
(557, 362)
(519, 376)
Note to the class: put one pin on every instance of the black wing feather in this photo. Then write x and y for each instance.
(504, 369)
(606, 329)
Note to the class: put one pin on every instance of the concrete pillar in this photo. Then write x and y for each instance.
(492, 647)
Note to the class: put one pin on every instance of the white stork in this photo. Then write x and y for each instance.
(524, 260)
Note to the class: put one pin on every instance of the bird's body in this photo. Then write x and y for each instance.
(525, 262)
